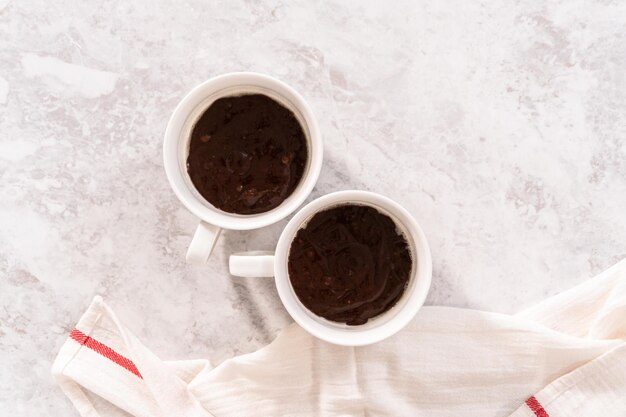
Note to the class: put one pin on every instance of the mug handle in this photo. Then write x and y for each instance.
(202, 243)
(258, 263)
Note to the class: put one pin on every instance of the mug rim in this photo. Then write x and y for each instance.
(414, 296)
(176, 177)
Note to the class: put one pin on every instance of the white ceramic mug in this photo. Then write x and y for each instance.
(176, 151)
(268, 264)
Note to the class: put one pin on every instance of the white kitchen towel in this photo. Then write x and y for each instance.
(564, 357)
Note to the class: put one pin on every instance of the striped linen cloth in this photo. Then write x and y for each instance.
(564, 357)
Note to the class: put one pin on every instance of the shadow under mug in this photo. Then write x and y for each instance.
(268, 264)
(176, 151)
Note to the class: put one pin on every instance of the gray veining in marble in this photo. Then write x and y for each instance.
(500, 126)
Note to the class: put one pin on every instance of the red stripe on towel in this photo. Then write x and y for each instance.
(105, 351)
(536, 407)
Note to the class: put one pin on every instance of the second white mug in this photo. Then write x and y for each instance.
(268, 264)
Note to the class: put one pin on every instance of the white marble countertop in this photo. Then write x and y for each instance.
(502, 129)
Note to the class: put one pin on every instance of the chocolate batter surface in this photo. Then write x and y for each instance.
(349, 264)
(247, 154)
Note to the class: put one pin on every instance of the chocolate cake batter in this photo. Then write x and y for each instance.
(247, 154)
(349, 264)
